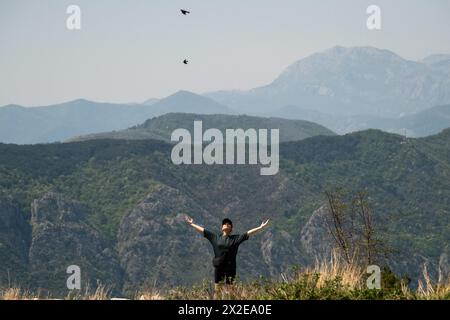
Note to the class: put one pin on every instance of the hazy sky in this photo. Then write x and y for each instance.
(129, 51)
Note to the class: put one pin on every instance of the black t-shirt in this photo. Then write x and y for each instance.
(226, 245)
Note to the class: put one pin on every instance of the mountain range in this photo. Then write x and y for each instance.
(343, 89)
(161, 127)
(54, 123)
(350, 81)
(115, 208)
(421, 124)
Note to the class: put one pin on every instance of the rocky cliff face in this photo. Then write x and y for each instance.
(314, 238)
(317, 243)
(60, 238)
(279, 259)
(155, 245)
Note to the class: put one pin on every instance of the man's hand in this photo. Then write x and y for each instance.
(189, 220)
(264, 224)
(257, 229)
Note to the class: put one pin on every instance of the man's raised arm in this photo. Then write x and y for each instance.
(257, 229)
(190, 222)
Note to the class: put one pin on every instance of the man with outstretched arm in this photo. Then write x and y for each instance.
(225, 246)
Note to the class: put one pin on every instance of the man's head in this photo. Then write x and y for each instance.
(227, 226)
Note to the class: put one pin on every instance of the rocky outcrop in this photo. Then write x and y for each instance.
(60, 238)
(54, 208)
(14, 243)
(157, 248)
(280, 252)
(314, 236)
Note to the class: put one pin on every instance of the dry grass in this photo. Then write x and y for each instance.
(101, 293)
(319, 276)
(149, 294)
(429, 290)
(239, 291)
(351, 274)
(16, 294)
(317, 282)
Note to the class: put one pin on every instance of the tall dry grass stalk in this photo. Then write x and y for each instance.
(428, 290)
(101, 293)
(149, 294)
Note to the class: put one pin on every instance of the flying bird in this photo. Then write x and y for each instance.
(185, 61)
(184, 12)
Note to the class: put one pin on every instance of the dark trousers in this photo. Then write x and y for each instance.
(224, 275)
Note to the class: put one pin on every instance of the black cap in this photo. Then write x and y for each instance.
(226, 220)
